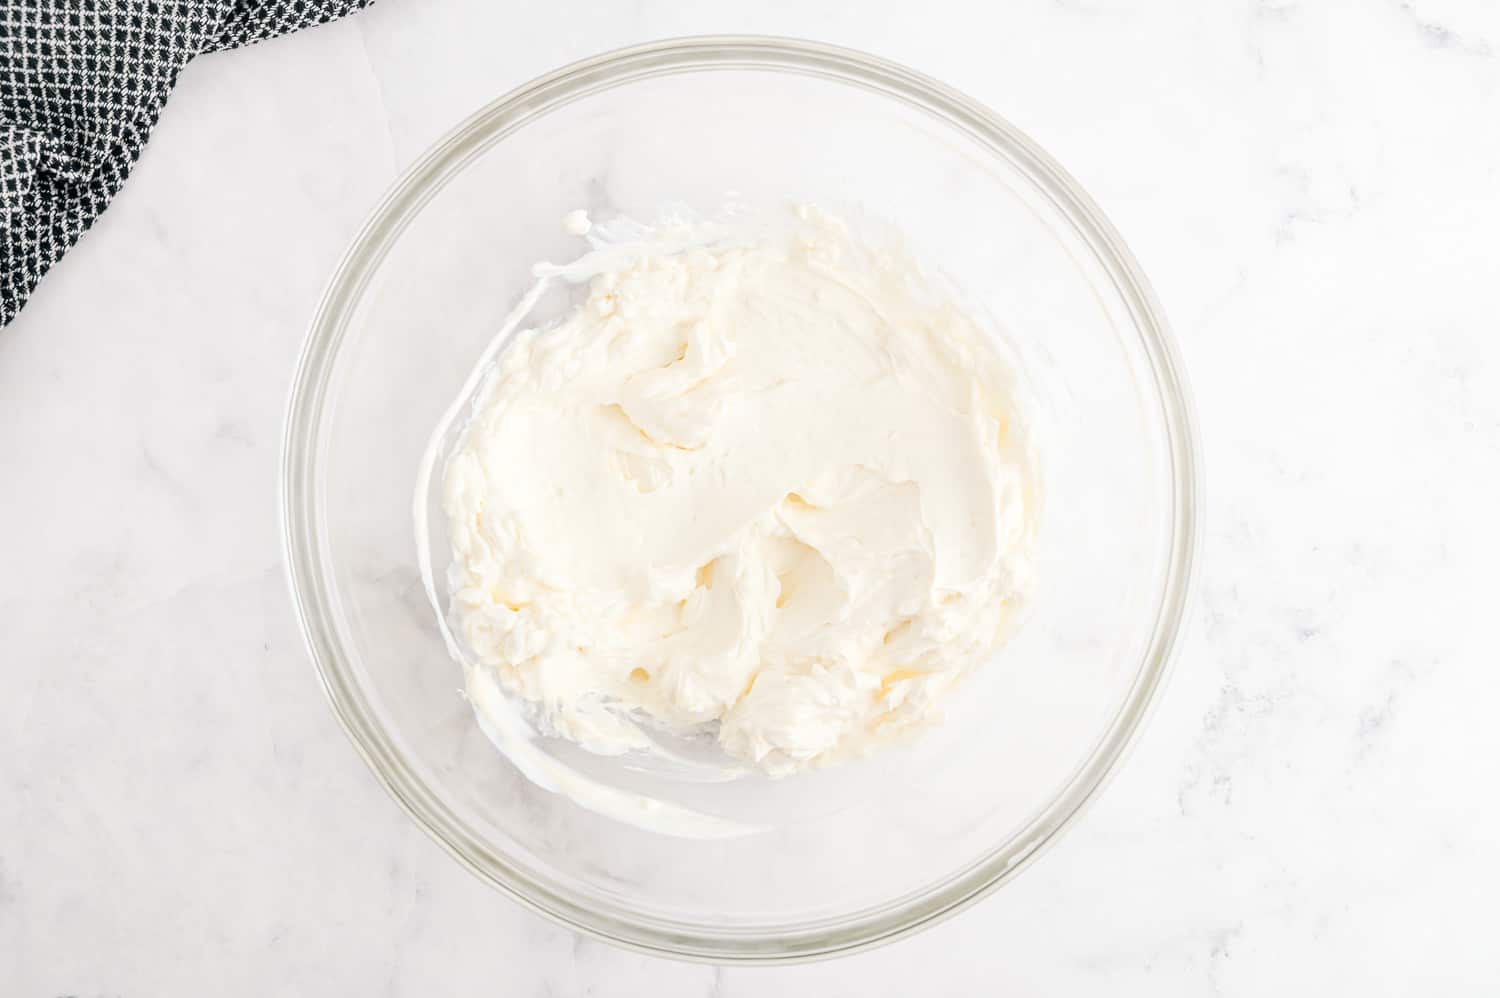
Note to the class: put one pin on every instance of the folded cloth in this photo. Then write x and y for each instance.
(82, 82)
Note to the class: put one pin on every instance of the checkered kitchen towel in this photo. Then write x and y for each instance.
(82, 82)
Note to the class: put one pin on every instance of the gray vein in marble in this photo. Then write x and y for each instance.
(378, 86)
(1437, 35)
(1265, 14)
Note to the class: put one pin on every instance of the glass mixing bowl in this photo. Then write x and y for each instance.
(857, 855)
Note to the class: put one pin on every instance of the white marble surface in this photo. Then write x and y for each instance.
(1314, 189)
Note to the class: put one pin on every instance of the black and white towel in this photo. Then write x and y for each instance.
(82, 83)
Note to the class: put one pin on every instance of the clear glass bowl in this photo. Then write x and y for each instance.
(857, 856)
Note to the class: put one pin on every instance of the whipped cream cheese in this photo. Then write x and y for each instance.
(766, 484)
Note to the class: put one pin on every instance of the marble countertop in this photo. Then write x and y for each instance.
(1314, 189)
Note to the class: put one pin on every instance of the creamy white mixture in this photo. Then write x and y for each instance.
(766, 484)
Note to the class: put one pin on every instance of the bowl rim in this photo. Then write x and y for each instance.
(315, 602)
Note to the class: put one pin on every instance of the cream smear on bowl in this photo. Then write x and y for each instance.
(767, 484)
